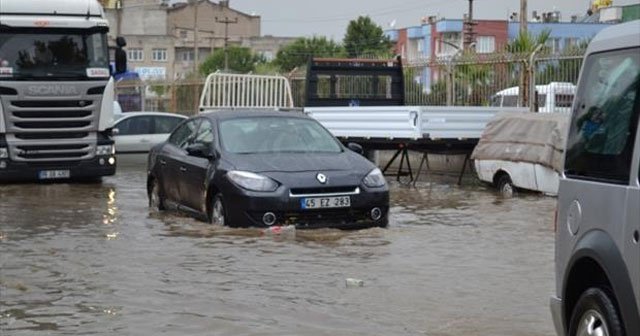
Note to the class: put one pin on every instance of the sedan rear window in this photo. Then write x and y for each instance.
(275, 135)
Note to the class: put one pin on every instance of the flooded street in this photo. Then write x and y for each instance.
(91, 259)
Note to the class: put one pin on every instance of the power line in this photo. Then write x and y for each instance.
(350, 17)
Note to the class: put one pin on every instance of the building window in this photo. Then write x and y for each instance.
(135, 54)
(420, 46)
(159, 55)
(485, 44)
(187, 56)
(183, 34)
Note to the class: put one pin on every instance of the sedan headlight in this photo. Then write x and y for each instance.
(104, 150)
(374, 179)
(4, 153)
(252, 181)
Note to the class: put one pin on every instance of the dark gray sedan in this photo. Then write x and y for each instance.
(257, 168)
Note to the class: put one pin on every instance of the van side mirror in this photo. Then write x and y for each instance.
(356, 148)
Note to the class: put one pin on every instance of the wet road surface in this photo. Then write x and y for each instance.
(91, 259)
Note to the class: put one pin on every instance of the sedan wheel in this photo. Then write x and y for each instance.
(217, 211)
(156, 201)
(595, 315)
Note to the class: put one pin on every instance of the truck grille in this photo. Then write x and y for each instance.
(45, 129)
(51, 152)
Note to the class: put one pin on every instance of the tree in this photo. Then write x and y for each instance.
(524, 46)
(240, 60)
(365, 38)
(300, 51)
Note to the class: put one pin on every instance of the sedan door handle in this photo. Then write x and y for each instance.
(163, 162)
(144, 141)
(183, 169)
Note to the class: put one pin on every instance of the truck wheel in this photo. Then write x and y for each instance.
(156, 201)
(595, 314)
(505, 186)
(218, 211)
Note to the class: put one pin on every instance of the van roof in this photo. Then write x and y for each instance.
(559, 87)
(619, 36)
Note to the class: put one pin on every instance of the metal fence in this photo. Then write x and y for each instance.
(498, 80)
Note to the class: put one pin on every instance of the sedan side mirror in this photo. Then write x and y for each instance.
(200, 150)
(355, 147)
(115, 131)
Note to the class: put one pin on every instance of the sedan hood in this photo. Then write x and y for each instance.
(300, 162)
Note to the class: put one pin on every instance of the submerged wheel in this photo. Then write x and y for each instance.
(218, 211)
(595, 315)
(505, 186)
(156, 201)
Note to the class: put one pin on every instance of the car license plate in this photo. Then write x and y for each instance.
(326, 202)
(54, 174)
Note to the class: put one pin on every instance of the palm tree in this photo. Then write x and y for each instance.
(523, 48)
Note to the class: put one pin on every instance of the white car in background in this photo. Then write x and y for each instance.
(136, 132)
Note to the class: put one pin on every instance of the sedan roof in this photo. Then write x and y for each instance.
(248, 113)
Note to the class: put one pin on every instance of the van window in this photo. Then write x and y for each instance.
(564, 100)
(604, 124)
(510, 101)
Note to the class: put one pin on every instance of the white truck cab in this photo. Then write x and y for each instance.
(56, 91)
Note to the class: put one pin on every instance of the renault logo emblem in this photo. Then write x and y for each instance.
(321, 178)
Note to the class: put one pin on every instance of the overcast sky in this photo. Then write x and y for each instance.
(330, 17)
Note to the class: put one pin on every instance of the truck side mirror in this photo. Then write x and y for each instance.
(121, 61)
(121, 42)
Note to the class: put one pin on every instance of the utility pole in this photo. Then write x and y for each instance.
(119, 4)
(523, 16)
(195, 36)
(226, 22)
(469, 34)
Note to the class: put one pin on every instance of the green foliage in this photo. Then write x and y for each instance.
(299, 52)
(526, 43)
(365, 38)
(240, 60)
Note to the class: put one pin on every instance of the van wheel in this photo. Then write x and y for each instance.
(595, 314)
(156, 200)
(505, 186)
(218, 212)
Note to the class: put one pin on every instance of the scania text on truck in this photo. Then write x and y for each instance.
(56, 90)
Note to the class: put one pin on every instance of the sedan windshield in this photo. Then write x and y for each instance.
(276, 135)
(53, 53)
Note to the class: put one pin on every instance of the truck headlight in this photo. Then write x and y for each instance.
(4, 153)
(105, 150)
(374, 179)
(252, 181)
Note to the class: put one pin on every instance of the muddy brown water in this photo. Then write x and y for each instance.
(91, 259)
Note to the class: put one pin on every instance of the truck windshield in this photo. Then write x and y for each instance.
(53, 54)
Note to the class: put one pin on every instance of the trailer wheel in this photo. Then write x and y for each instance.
(505, 186)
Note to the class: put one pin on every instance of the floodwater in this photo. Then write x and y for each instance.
(91, 259)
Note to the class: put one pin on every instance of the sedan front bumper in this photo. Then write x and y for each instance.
(246, 208)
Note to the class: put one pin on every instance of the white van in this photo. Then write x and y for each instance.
(597, 255)
(553, 97)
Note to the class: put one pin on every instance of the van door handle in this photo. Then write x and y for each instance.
(183, 169)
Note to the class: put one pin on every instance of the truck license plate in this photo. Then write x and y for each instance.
(326, 202)
(54, 174)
